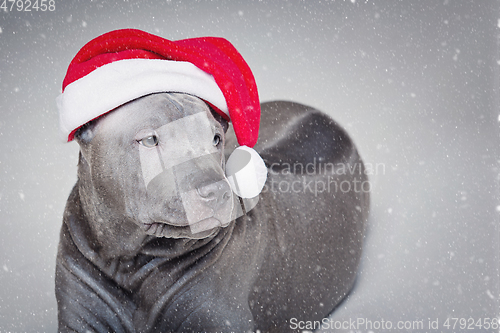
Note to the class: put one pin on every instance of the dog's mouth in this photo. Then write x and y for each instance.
(198, 230)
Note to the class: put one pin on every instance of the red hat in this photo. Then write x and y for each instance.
(123, 65)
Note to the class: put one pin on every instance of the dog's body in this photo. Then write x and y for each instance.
(129, 261)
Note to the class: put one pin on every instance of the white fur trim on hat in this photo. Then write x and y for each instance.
(122, 81)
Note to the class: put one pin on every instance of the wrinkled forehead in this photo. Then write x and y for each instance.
(156, 110)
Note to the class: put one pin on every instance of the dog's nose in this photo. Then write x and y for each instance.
(216, 193)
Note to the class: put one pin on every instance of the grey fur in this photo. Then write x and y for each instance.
(295, 255)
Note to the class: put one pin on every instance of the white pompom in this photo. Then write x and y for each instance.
(246, 172)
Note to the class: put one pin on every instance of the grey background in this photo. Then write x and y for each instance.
(414, 83)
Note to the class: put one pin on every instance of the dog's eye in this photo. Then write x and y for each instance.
(217, 139)
(149, 141)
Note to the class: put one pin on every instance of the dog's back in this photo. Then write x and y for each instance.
(315, 204)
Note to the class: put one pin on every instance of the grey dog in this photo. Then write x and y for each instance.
(132, 258)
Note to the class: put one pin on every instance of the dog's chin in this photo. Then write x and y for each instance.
(199, 230)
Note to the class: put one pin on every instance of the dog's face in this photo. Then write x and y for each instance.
(158, 161)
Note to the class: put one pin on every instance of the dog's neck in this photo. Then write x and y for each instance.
(132, 267)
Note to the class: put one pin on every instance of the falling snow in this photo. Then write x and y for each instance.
(410, 82)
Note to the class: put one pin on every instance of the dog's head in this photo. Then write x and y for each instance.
(158, 161)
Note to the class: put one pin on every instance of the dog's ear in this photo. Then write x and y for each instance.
(84, 136)
(86, 133)
(224, 123)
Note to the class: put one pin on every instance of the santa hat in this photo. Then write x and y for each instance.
(123, 65)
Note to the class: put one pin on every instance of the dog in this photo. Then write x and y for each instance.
(154, 240)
